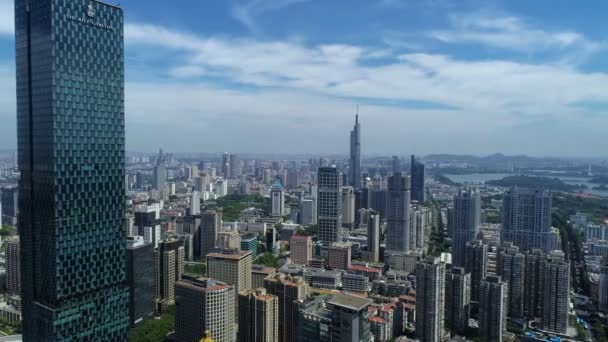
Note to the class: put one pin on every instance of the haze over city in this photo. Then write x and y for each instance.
(285, 76)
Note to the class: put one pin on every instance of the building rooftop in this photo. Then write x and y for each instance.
(378, 319)
(236, 255)
(351, 302)
(262, 269)
(363, 269)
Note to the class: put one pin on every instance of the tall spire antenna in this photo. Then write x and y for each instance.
(357, 115)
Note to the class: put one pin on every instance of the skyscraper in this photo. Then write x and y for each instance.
(258, 316)
(398, 215)
(417, 173)
(13, 266)
(329, 206)
(556, 290)
(348, 207)
(526, 218)
(430, 300)
(476, 263)
(493, 304)
(160, 173)
(463, 222)
(300, 249)
(140, 278)
(533, 283)
(339, 255)
(9, 202)
(169, 258)
(290, 291)
(457, 299)
(277, 196)
(603, 290)
(373, 237)
(354, 170)
(231, 267)
(204, 304)
(211, 223)
(511, 266)
(70, 122)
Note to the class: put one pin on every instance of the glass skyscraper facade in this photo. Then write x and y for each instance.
(70, 113)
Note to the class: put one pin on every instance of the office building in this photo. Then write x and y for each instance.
(329, 205)
(146, 216)
(211, 224)
(300, 249)
(232, 267)
(258, 316)
(152, 235)
(476, 263)
(339, 255)
(533, 283)
(71, 146)
(308, 211)
(457, 300)
(526, 218)
(271, 241)
(398, 215)
(159, 179)
(13, 266)
(277, 196)
(350, 318)
(169, 259)
(249, 243)
(195, 203)
(293, 179)
(373, 236)
(417, 174)
(140, 279)
(9, 203)
(493, 309)
(511, 267)
(348, 207)
(463, 222)
(228, 239)
(226, 165)
(603, 290)
(259, 273)
(236, 166)
(430, 300)
(354, 169)
(396, 164)
(204, 305)
(556, 290)
(289, 291)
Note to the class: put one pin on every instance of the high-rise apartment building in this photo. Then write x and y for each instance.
(169, 258)
(204, 305)
(526, 218)
(476, 263)
(398, 214)
(13, 266)
(556, 289)
(300, 249)
(420, 226)
(71, 147)
(463, 222)
(289, 291)
(533, 283)
(511, 267)
(373, 236)
(430, 300)
(140, 279)
(493, 305)
(277, 197)
(211, 224)
(258, 316)
(417, 174)
(354, 170)
(329, 205)
(457, 299)
(603, 290)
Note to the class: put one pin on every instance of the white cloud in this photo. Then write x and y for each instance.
(513, 33)
(246, 13)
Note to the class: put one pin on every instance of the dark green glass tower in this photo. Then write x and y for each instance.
(70, 113)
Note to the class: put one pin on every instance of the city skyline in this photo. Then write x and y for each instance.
(413, 74)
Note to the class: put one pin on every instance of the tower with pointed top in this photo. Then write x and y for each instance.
(354, 171)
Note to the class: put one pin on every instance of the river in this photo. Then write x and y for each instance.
(481, 178)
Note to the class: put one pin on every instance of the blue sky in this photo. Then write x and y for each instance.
(429, 76)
